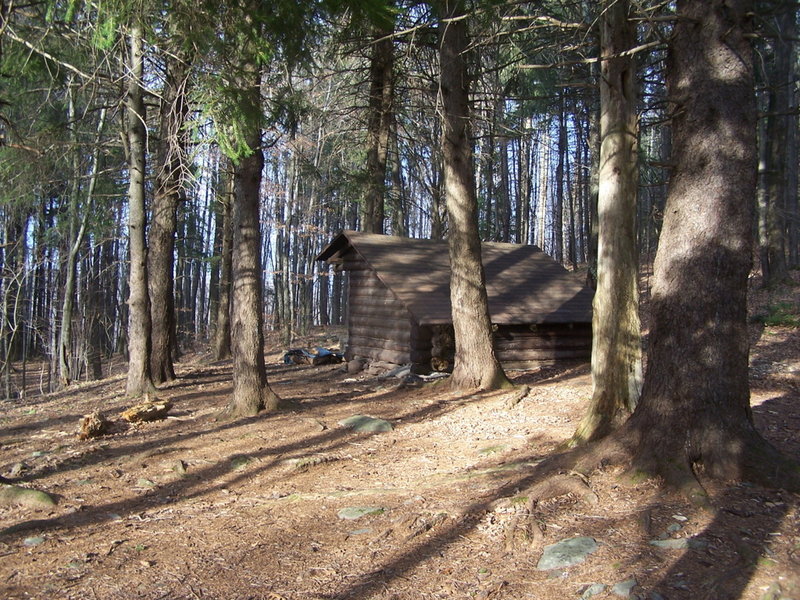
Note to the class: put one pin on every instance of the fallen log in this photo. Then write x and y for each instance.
(150, 410)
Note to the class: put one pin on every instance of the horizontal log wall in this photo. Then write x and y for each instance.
(542, 344)
(378, 325)
(380, 329)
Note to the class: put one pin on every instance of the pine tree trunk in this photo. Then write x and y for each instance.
(695, 403)
(251, 392)
(378, 128)
(476, 365)
(779, 121)
(396, 193)
(616, 334)
(558, 209)
(139, 324)
(222, 330)
(169, 192)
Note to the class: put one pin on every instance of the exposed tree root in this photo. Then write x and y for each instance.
(525, 529)
(737, 456)
(516, 396)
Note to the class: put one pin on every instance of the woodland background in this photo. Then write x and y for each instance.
(348, 107)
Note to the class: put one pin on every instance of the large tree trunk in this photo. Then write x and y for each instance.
(476, 365)
(169, 191)
(378, 128)
(616, 335)
(139, 323)
(695, 405)
(251, 392)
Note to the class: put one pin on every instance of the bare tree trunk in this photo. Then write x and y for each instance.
(616, 332)
(476, 365)
(77, 232)
(169, 192)
(778, 125)
(592, 224)
(397, 192)
(139, 323)
(222, 331)
(543, 180)
(251, 392)
(378, 128)
(558, 209)
(695, 403)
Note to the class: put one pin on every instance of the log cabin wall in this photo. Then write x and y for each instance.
(399, 297)
(378, 325)
(528, 346)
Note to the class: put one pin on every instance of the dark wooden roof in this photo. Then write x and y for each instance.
(524, 284)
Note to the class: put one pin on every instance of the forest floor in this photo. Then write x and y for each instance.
(192, 508)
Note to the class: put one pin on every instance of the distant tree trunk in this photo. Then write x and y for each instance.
(378, 127)
(476, 365)
(792, 159)
(139, 323)
(544, 180)
(695, 403)
(169, 192)
(216, 208)
(95, 338)
(592, 224)
(77, 232)
(774, 264)
(522, 227)
(616, 333)
(504, 195)
(396, 194)
(251, 392)
(222, 329)
(558, 209)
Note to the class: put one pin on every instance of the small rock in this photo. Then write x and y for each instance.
(624, 589)
(680, 518)
(593, 590)
(239, 462)
(179, 467)
(33, 541)
(352, 513)
(13, 494)
(680, 543)
(17, 469)
(366, 424)
(566, 553)
(355, 366)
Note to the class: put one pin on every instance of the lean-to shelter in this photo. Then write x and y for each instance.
(398, 302)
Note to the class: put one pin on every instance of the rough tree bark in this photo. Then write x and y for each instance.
(779, 121)
(695, 403)
(222, 325)
(169, 192)
(139, 324)
(616, 333)
(251, 392)
(378, 127)
(476, 365)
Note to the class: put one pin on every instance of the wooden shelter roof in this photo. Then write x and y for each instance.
(524, 284)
